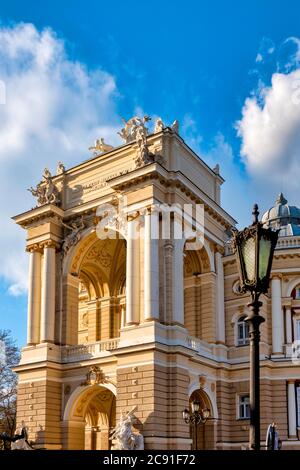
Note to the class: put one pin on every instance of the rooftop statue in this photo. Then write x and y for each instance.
(60, 169)
(45, 191)
(159, 125)
(100, 147)
(175, 126)
(128, 133)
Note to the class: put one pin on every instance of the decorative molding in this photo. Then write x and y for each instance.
(35, 248)
(94, 376)
(49, 244)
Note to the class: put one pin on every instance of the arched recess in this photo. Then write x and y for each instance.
(89, 416)
(293, 283)
(94, 274)
(205, 436)
(197, 265)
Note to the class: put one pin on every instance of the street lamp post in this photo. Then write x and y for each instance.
(196, 416)
(254, 247)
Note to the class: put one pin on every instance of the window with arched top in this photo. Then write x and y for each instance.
(296, 292)
(242, 331)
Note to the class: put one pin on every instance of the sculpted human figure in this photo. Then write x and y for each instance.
(126, 438)
(60, 169)
(74, 236)
(45, 191)
(128, 133)
(159, 125)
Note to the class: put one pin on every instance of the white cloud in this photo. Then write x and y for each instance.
(270, 131)
(54, 109)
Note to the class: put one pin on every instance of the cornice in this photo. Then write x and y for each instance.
(38, 214)
(171, 180)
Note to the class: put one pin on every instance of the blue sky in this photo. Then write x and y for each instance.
(210, 64)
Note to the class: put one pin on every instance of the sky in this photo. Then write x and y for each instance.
(229, 71)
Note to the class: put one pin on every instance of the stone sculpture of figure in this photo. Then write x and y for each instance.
(60, 169)
(216, 169)
(46, 192)
(143, 155)
(19, 441)
(159, 125)
(126, 438)
(74, 236)
(100, 147)
(175, 126)
(128, 133)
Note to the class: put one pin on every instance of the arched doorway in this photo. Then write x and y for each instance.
(89, 417)
(203, 438)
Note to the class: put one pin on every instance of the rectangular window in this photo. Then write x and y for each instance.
(298, 404)
(242, 333)
(244, 407)
(298, 329)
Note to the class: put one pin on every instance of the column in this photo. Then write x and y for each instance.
(151, 266)
(177, 283)
(34, 296)
(123, 316)
(288, 325)
(48, 294)
(292, 410)
(220, 299)
(94, 328)
(277, 320)
(132, 272)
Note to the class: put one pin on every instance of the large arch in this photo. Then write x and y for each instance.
(197, 267)
(93, 289)
(89, 416)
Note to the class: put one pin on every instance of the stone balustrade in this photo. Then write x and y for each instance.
(82, 352)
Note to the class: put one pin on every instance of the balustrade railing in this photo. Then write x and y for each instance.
(86, 351)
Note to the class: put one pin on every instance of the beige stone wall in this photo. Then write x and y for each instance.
(160, 394)
(39, 405)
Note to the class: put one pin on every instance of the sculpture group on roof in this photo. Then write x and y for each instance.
(134, 130)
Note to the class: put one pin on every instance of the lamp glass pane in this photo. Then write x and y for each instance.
(264, 256)
(195, 406)
(248, 254)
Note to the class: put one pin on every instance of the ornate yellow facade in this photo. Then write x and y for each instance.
(142, 321)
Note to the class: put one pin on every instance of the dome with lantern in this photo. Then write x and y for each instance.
(284, 217)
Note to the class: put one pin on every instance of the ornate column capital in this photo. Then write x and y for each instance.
(291, 381)
(35, 248)
(49, 244)
(133, 216)
(276, 276)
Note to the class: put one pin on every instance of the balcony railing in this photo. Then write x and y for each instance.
(288, 242)
(200, 346)
(83, 352)
(282, 243)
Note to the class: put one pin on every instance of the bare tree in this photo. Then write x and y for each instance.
(9, 357)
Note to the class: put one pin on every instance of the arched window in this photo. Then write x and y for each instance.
(242, 331)
(296, 292)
